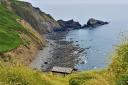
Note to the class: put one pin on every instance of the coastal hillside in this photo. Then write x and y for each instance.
(20, 41)
(17, 37)
(39, 20)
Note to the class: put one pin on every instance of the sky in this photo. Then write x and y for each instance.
(79, 1)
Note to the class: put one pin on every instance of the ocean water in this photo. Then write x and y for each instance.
(102, 40)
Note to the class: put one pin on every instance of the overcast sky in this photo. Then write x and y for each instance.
(80, 1)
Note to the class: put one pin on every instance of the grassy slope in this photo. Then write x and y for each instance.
(10, 30)
(9, 38)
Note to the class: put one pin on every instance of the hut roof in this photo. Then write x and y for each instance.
(62, 69)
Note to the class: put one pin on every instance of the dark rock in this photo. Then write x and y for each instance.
(41, 48)
(57, 56)
(45, 62)
(94, 23)
(82, 62)
(69, 24)
(77, 45)
(75, 69)
(81, 50)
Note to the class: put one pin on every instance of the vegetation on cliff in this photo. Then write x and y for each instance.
(17, 37)
(12, 72)
(9, 38)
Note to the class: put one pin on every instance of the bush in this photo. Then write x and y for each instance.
(120, 61)
(123, 80)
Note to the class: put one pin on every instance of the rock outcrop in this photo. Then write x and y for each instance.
(94, 23)
(70, 24)
(41, 21)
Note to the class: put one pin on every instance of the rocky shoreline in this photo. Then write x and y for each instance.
(58, 52)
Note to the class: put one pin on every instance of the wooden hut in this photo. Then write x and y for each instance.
(62, 70)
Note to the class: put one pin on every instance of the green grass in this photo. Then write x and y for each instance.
(20, 75)
(9, 28)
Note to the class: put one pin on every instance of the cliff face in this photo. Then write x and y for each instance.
(41, 21)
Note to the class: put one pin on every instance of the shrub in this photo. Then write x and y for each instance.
(123, 80)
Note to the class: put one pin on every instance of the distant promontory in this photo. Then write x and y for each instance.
(71, 24)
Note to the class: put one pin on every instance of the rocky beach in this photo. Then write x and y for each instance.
(58, 52)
